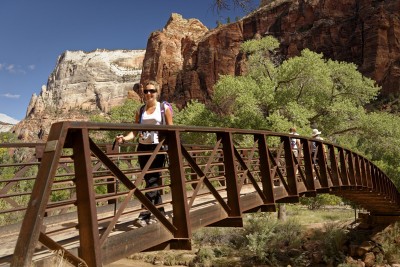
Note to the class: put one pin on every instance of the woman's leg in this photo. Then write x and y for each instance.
(151, 179)
(157, 181)
(144, 215)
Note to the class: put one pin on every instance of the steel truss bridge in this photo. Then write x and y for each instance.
(79, 197)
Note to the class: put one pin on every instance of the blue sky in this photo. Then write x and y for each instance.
(33, 33)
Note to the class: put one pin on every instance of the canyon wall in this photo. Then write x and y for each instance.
(82, 83)
(365, 32)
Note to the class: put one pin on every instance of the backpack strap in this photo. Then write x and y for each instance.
(141, 110)
(162, 108)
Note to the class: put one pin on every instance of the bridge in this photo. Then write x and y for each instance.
(78, 197)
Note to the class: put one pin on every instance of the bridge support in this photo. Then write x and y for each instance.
(229, 222)
(262, 208)
(378, 219)
(176, 243)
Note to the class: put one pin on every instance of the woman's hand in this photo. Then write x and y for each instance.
(120, 139)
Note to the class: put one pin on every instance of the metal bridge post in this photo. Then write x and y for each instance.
(334, 166)
(364, 173)
(33, 220)
(368, 170)
(343, 170)
(265, 169)
(358, 177)
(89, 237)
(323, 170)
(181, 219)
(112, 186)
(235, 214)
(375, 183)
(350, 161)
(289, 164)
(308, 166)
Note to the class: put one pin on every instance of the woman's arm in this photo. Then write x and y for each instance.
(131, 135)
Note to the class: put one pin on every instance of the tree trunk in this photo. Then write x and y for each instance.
(282, 212)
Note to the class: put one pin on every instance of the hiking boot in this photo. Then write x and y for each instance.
(151, 221)
(139, 222)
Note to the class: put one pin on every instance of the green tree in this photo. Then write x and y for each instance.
(196, 113)
(121, 114)
(320, 201)
(125, 113)
(307, 91)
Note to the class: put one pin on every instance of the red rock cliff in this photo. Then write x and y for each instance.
(186, 58)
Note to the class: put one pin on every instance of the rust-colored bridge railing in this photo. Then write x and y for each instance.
(85, 195)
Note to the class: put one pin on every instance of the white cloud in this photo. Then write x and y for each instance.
(11, 68)
(8, 95)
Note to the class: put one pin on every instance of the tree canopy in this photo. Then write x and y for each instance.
(307, 91)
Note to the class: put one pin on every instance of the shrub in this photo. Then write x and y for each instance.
(216, 236)
(320, 201)
(391, 243)
(268, 239)
(204, 256)
(332, 239)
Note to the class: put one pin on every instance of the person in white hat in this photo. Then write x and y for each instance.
(294, 142)
(316, 135)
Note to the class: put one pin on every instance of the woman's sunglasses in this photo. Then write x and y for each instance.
(151, 91)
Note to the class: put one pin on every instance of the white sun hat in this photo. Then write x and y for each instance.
(315, 132)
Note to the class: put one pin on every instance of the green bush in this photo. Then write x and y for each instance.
(332, 238)
(320, 201)
(390, 243)
(204, 256)
(271, 241)
(217, 236)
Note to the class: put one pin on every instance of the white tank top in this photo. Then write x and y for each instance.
(151, 137)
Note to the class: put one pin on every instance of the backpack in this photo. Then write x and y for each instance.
(162, 107)
(293, 142)
(314, 146)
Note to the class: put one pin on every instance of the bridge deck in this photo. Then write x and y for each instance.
(205, 212)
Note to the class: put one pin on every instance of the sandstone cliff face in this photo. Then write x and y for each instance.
(365, 32)
(80, 84)
(170, 51)
(91, 81)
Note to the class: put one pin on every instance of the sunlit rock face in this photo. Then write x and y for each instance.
(81, 84)
(97, 80)
(189, 61)
(172, 52)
